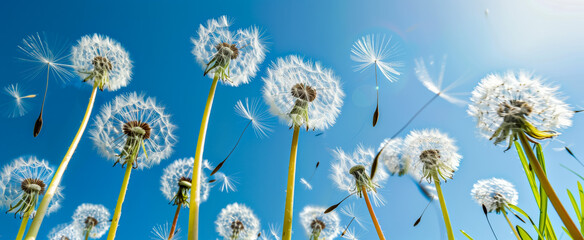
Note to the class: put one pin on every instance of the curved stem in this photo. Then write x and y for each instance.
(547, 187)
(171, 234)
(289, 208)
(44, 205)
(196, 187)
(444, 209)
(373, 217)
(511, 225)
(118, 213)
(22, 227)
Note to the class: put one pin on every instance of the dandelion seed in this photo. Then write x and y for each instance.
(232, 56)
(236, 221)
(350, 234)
(318, 225)
(375, 50)
(434, 83)
(20, 105)
(162, 231)
(102, 62)
(274, 230)
(66, 232)
(494, 193)
(505, 105)
(94, 219)
(349, 211)
(306, 184)
(227, 183)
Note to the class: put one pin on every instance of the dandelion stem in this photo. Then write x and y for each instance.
(44, 205)
(87, 235)
(196, 188)
(288, 213)
(547, 187)
(22, 226)
(118, 213)
(171, 234)
(511, 225)
(443, 208)
(372, 213)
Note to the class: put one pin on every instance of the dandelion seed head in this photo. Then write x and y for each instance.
(19, 104)
(494, 194)
(93, 217)
(318, 225)
(36, 50)
(236, 221)
(257, 117)
(23, 178)
(499, 102)
(178, 170)
(286, 90)
(244, 49)
(112, 139)
(432, 154)
(377, 50)
(103, 61)
(434, 83)
(66, 232)
(391, 156)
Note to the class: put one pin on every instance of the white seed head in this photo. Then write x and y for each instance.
(287, 74)
(95, 212)
(38, 52)
(250, 44)
(255, 115)
(248, 224)
(433, 82)
(66, 231)
(546, 111)
(89, 48)
(494, 193)
(183, 168)
(13, 175)
(108, 135)
(377, 50)
(432, 154)
(391, 156)
(313, 219)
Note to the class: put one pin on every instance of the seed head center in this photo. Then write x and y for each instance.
(137, 129)
(430, 157)
(317, 225)
(227, 51)
(30, 185)
(514, 109)
(304, 92)
(101, 64)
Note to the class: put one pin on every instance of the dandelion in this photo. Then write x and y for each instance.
(495, 195)
(232, 57)
(20, 104)
(301, 93)
(516, 106)
(391, 150)
(94, 219)
(176, 185)
(22, 182)
(434, 158)
(236, 221)
(103, 62)
(353, 173)
(256, 120)
(66, 232)
(376, 50)
(136, 132)
(37, 51)
(318, 225)
(161, 232)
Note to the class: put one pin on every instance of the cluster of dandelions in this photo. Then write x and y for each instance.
(23, 182)
(236, 221)
(132, 122)
(102, 62)
(495, 194)
(232, 56)
(318, 225)
(303, 93)
(517, 101)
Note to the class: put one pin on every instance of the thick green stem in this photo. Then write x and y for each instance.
(44, 205)
(22, 226)
(196, 187)
(443, 208)
(511, 225)
(118, 213)
(289, 208)
(547, 187)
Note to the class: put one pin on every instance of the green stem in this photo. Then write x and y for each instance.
(196, 188)
(118, 213)
(547, 187)
(44, 205)
(443, 208)
(288, 213)
(511, 225)
(22, 227)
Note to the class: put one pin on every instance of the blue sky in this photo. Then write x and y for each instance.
(542, 36)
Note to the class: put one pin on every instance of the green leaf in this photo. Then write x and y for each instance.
(574, 204)
(528, 173)
(466, 235)
(523, 234)
(539, 233)
(543, 213)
